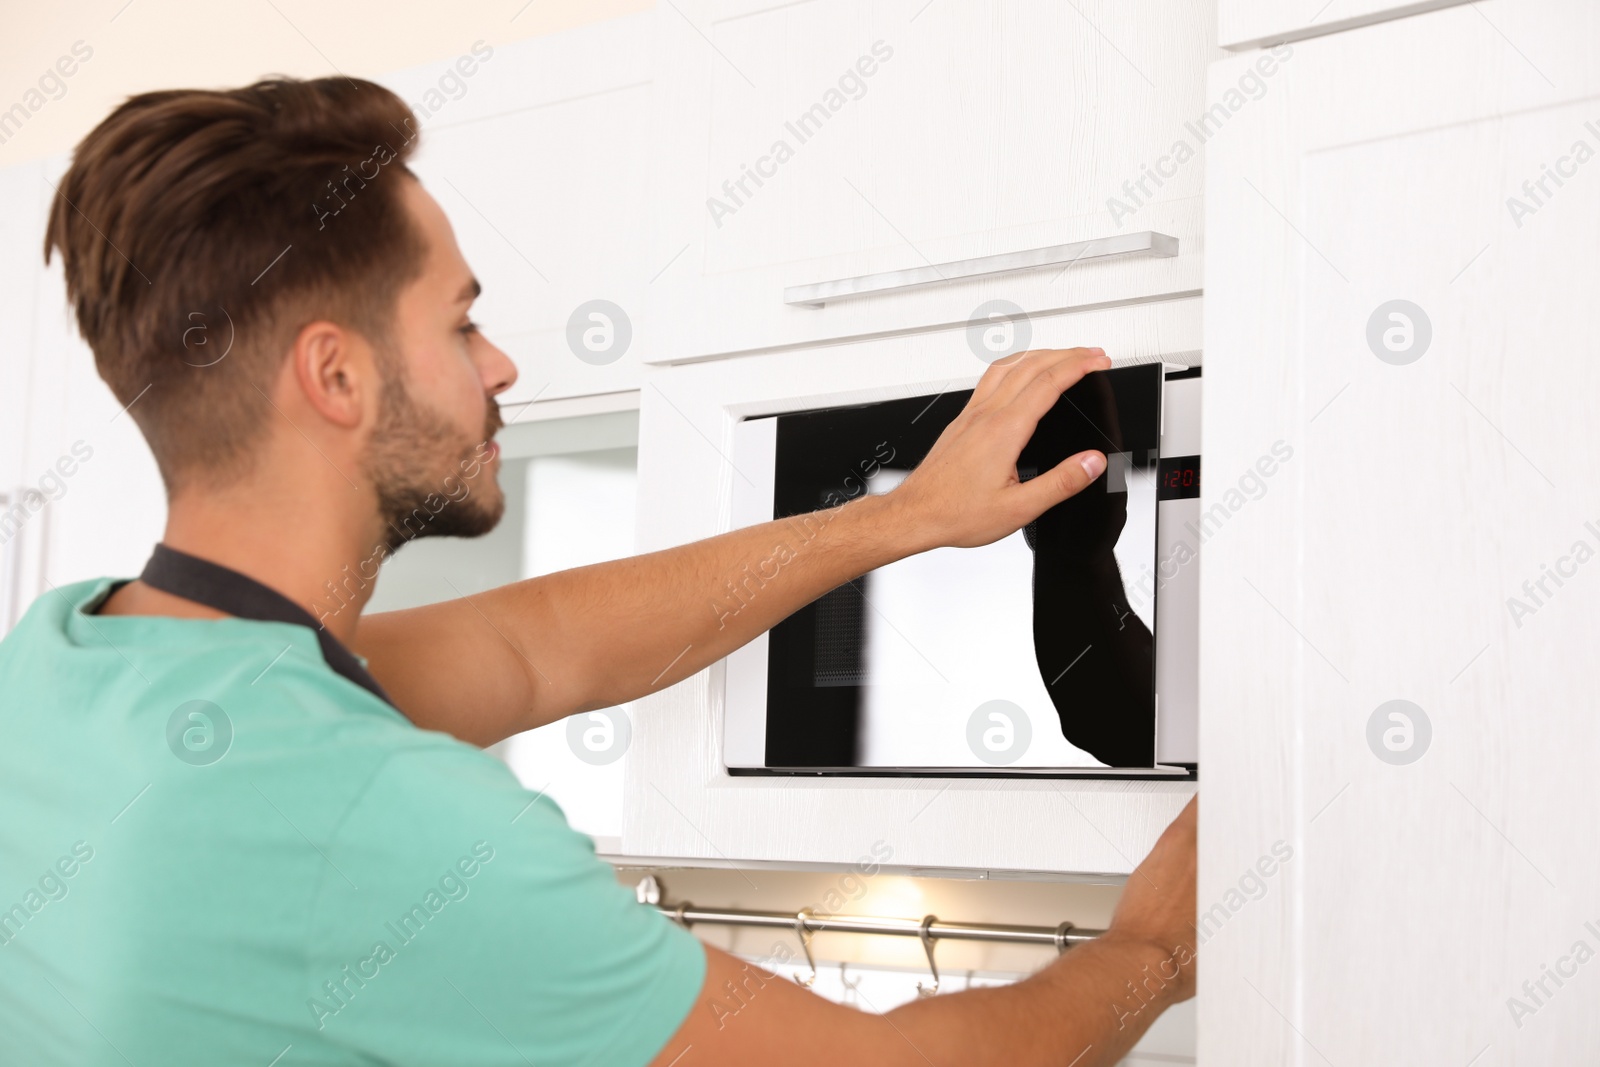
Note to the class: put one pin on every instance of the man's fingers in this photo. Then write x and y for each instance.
(1065, 366)
(984, 441)
(1004, 379)
(1067, 478)
(998, 371)
(988, 383)
(1021, 414)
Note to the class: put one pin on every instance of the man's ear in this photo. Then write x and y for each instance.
(334, 369)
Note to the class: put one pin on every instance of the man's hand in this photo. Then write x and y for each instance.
(1158, 905)
(966, 492)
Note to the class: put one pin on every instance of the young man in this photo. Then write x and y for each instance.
(346, 887)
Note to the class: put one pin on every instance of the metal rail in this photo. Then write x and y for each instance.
(1063, 936)
(804, 923)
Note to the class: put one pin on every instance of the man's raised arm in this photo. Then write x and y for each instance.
(493, 664)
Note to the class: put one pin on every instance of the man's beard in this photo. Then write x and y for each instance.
(430, 483)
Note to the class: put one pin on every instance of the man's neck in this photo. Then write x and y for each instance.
(320, 556)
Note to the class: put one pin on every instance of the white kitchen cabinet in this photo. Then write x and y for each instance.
(112, 509)
(807, 143)
(1431, 541)
(1243, 24)
(681, 800)
(84, 496)
(540, 157)
(21, 499)
(22, 190)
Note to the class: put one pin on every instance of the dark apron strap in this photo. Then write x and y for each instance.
(232, 593)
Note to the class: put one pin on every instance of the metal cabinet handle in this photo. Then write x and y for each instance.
(1144, 242)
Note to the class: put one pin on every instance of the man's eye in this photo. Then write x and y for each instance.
(469, 328)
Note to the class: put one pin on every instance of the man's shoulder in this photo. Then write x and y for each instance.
(250, 707)
(297, 721)
(414, 783)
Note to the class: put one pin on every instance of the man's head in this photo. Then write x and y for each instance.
(266, 283)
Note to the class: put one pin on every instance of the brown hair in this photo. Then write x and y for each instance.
(200, 230)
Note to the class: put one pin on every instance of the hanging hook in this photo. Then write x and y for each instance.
(649, 890)
(800, 930)
(850, 988)
(926, 937)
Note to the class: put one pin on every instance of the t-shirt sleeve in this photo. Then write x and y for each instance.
(460, 920)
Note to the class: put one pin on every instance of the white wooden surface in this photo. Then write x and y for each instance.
(1420, 897)
(21, 265)
(21, 188)
(543, 163)
(982, 129)
(680, 800)
(1243, 24)
(104, 512)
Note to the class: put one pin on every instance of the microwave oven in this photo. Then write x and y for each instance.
(1066, 649)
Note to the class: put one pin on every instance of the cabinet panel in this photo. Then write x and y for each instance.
(813, 142)
(1405, 295)
(22, 189)
(538, 159)
(681, 802)
(111, 510)
(1251, 23)
(68, 460)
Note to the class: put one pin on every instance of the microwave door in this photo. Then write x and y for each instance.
(906, 667)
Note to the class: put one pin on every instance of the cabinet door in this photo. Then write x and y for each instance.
(681, 800)
(1402, 247)
(1251, 23)
(807, 143)
(21, 232)
(82, 461)
(537, 156)
(22, 189)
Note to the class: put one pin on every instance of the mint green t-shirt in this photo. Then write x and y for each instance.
(215, 850)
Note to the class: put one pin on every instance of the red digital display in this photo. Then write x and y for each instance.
(1178, 478)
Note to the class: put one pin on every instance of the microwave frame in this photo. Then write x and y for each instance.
(742, 728)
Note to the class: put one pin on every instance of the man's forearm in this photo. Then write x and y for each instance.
(636, 625)
(1085, 1010)
(534, 651)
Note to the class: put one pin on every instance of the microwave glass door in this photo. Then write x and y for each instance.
(1031, 652)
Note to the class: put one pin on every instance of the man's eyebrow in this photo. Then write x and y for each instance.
(470, 292)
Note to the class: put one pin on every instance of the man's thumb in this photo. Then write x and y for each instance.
(1067, 478)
